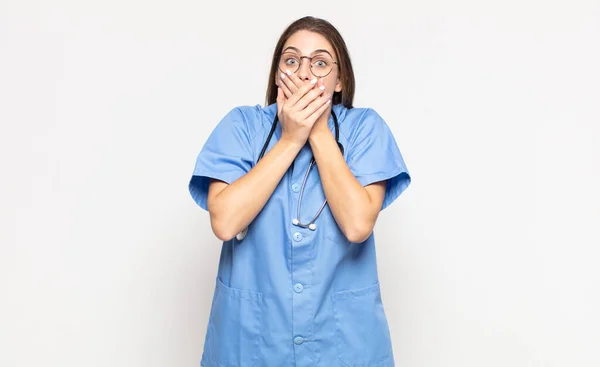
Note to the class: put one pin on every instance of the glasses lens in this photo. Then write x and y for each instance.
(289, 61)
(321, 65)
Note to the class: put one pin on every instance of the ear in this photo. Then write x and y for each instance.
(338, 85)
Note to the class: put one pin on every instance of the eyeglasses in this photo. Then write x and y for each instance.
(320, 65)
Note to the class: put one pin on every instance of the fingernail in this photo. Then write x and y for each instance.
(288, 72)
(282, 76)
(322, 87)
(314, 81)
(328, 101)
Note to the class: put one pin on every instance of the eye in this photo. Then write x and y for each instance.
(291, 61)
(321, 61)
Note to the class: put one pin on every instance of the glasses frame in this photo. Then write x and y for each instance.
(310, 63)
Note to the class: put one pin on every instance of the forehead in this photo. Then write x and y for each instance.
(307, 42)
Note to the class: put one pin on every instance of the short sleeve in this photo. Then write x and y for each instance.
(225, 156)
(374, 156)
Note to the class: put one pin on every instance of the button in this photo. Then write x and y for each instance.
(298, 340)
(298, 288)
(295, 187)
(297, 236)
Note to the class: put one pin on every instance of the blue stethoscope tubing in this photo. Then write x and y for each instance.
(296, 221)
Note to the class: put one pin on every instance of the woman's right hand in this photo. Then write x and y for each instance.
(299, 105)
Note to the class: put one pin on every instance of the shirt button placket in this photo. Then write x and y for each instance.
(302, 252)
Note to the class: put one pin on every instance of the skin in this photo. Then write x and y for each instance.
(304, 107)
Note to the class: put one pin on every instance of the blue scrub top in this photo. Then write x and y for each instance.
(286, 295)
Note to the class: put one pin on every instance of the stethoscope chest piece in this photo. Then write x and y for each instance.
(311, 226)
(240, 236)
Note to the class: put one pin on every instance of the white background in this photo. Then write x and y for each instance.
(490, 258)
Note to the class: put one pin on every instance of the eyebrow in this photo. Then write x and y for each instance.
(312, 53)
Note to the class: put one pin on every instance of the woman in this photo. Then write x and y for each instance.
(297, 282)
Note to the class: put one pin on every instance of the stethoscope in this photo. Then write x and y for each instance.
(296, 221)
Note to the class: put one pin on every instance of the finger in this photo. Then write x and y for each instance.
(287, 80)
(301, 92)
(296, 80)
(286, 91)
(314, 107)
(315, 116)
(321, 83)
(309, 97)
(292, 77)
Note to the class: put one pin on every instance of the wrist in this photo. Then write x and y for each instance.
(318, 134)
(290, 144)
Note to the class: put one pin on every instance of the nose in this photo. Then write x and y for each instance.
(304, 70)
